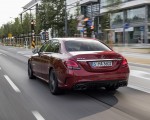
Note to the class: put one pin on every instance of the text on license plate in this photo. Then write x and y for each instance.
(101, 64)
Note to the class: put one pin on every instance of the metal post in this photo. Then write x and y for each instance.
(124, 34)
(32, 36)
(92, 17)
(145, 39)
(66, 20)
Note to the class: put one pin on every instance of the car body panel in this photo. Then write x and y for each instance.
(43, 62)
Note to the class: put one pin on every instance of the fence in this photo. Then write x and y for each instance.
(21, 41)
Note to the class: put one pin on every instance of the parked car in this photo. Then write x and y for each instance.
(78, 63)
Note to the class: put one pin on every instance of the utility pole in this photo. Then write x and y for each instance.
(66, 20)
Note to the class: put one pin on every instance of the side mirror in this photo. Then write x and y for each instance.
(36, 50)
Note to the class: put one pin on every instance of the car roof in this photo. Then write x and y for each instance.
(69, 39)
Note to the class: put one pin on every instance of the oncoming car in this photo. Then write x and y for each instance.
(79, 64)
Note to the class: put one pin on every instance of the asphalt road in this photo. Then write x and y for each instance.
(25, 99)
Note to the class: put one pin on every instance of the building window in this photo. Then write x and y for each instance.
(117, 18)
(149, 13)
(136, 15)
(92, 11)
(106, 3)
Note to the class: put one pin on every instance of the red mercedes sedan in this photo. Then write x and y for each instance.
(79, 64)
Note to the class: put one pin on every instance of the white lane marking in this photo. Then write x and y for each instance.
(139, 88)
(140, 74)
(11, 48)
(28, 56)
(24, 52)
(12, 84)
(3, 54)
(37, 115)
(4, 51)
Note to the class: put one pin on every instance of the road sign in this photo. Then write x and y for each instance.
(89, 22)
(82, 30)
(126, 25)
(9, 35)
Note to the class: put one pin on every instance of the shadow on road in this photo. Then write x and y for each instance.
(73, 105)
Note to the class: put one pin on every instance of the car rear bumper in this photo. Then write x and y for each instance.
(87, 79)
(91, 85)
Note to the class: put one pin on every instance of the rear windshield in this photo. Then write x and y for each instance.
(85, 45)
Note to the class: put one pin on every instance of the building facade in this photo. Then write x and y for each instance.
(130, 19)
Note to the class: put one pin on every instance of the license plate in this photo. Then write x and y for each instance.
(101, 64)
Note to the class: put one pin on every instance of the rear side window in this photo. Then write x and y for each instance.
(50, 46)
(85, 45)
(44, 47)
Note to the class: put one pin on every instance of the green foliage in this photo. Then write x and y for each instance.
(73, 22)
(51, 15)
(72, 26)
(17, 28)
(26, 24)
(105, 21)
(11, 27)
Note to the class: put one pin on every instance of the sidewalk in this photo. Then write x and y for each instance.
(140, 57)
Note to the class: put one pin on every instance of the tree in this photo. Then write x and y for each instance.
(16, 28)
(26, 24)
(73, 22)
(105, 19)
(13, 28)
(38, 26)
(51, 15)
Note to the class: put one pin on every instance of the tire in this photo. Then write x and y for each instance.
(30, 72)
(53, 83)
(111, 88)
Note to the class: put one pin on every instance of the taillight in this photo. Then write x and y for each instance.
(72, 65)
(124, 62)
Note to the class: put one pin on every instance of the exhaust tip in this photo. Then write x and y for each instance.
(80, 87)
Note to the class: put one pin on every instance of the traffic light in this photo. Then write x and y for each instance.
(92, 27)
(89, 24)
(32, 25)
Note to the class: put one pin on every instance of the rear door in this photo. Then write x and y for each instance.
(36, 61)
(47, 57)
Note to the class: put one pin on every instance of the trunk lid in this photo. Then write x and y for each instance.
(96, 61)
